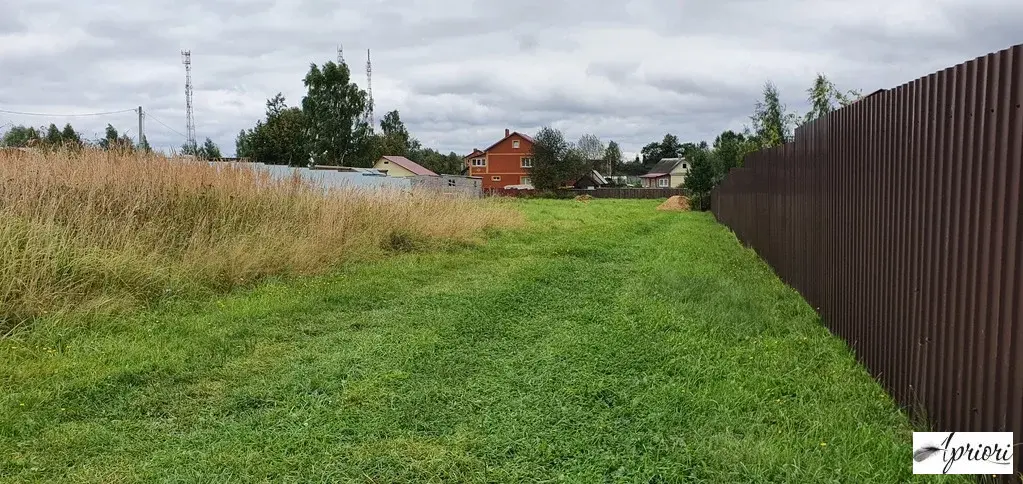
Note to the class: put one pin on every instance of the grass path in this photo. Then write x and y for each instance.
(607, 342)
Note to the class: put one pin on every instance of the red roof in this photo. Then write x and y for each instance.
(409, 165)
(653, 175)
(475, 153)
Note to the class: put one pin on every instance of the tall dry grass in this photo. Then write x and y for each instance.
(100, 231)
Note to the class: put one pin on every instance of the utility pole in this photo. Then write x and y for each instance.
(142, 136)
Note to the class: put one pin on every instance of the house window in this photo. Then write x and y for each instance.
(527, 162)
(479, 162)
(663, 182)
(515, 144)
(451, 182)
(684, 167)
(495, 178)
(526, 181)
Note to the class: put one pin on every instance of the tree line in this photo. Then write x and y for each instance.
(53, 138)
(330, 126)
(556, 161)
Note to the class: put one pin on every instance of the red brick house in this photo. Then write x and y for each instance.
(506, 162)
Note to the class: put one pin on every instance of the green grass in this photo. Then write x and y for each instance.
(605, 342)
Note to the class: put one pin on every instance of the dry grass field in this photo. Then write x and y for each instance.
(89, 231)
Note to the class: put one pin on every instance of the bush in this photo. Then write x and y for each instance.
(699, 202)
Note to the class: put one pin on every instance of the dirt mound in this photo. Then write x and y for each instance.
(675, 204)
(583, 198)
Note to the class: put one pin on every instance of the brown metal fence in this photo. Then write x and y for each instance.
(899, 219)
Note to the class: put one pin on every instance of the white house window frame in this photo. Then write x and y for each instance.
(526, 181)
(479, 162)
(524, 164)
(495, 178)
(663, 182)
(515, 144)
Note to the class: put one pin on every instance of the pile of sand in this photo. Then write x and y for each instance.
(583, 198)
(675, 204)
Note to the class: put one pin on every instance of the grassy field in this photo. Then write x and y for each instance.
(604, 342)
(95, 231)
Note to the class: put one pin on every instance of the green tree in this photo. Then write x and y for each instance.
(372, 147)
(110, 137)
(209, 150)
(20, 136)
(69, 137)
(114, 141)
(555, 161)
(334, 108)
(772, 125)
(243, 142)
(824, 98)
(701, 178)
(53, 138)
(730, 148)
(651, 153)
(396, 140)
(612, 158)
(280, 139)
(590, 147)
(686, 148)
(450, 164)
(286, 137)
(670, 147)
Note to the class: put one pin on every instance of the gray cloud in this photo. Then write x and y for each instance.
(461, 71)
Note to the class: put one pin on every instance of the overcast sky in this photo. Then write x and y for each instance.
(461, 71)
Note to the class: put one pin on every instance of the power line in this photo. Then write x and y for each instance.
(154, 118)
(67, 115)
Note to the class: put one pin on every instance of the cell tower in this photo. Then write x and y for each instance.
(369, 90)
(340, 54)
(186, 59)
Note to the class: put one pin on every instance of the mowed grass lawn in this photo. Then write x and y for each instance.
(606, 341)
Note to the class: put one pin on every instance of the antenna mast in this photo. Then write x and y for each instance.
(340, 54)
(186, 59)
(369, 90)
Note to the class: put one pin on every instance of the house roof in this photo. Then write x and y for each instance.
(597, 177)
(593, 175)
(663, 167)
(409, 165)
(475, 153)
(513, 133)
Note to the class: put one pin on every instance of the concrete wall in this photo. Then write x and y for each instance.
(331, 178)
(326, 177)
(450, 185)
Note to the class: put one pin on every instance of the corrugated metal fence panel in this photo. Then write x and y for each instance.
(899, 220)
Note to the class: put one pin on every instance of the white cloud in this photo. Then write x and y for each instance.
(461, 71)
